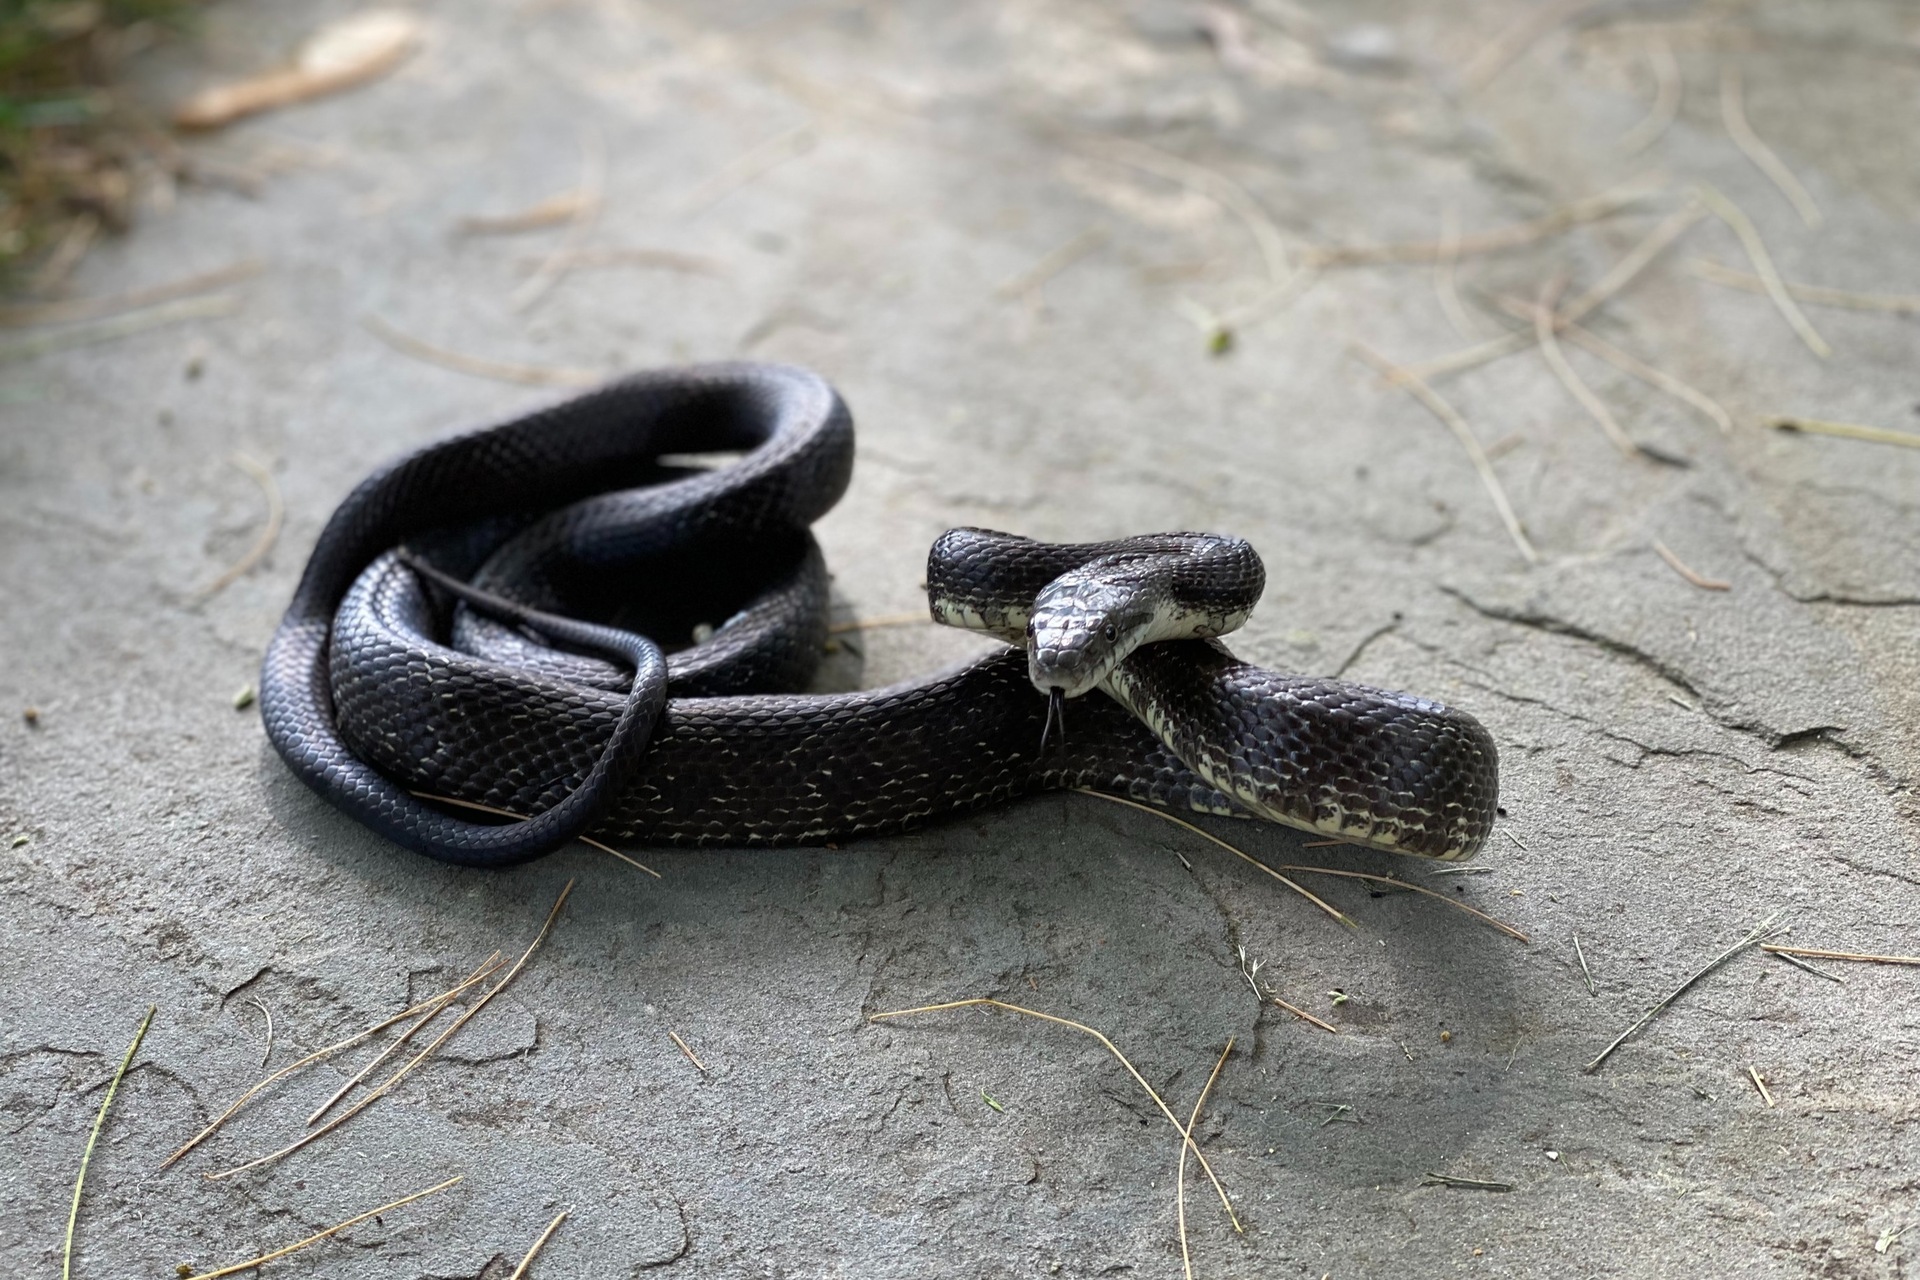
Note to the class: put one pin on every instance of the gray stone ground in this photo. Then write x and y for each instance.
(853, 182)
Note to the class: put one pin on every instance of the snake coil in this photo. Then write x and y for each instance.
(437, 646)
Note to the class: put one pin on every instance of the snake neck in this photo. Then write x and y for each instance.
(1386, 770)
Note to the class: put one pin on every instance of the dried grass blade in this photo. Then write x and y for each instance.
(890, 620)
(1759, 931)
(1513, 236)
(1053, 263)
(1180, 1175)
(1742, 226)
(538, 1245)
(1302, 890)
(1623, 273)
(1455, 903)
(99, 1122)
(1734, 112)
(66, 255)
(663, 259)
(1417, 387)
(1899, 304)
(439, 1004)
(555, 209)
(1668, 86)
(477, 807)
(1212, 184)
(318, 1055)
(1570, 378)
(1445, 275)
(1681, 567)
(266, 1054)
(1811, 968)
(318, 1236)
(72, 309)
(1846, 430)
(692, 1057)
(1659, 378)
(114, 328)
(1112, 1048)
(1498, 53)
(1285, 281)
(1470, 1184)
(340, 55)
(1815, 953)
(276, 516)
(525, 375)
(1585, 972)
(629, 859)
(388, 1084)
(757, 160)
(1632, 264)
(1301, 1014)
(592, 194)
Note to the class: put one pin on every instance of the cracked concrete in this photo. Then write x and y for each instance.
(845, 185)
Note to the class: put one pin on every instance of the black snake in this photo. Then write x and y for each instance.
(434, 647)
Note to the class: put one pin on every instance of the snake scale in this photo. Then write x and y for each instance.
(474, 620)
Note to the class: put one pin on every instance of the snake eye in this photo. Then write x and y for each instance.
(1112, 633)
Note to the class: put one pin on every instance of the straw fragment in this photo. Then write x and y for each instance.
(1416, 386)
(251, 1263)
(1742, 226)
(1734, 112)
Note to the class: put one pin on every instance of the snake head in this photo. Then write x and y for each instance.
(1081, 628)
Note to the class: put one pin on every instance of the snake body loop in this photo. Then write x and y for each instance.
(477, 678)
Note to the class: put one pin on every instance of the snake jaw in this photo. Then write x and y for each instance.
(1072, 651)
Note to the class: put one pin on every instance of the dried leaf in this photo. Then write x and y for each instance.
(338, 56)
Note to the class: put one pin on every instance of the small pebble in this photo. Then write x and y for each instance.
(1446, 1037)
(20, 840)
(31, 715)
(243, 699)
(1553, 1155)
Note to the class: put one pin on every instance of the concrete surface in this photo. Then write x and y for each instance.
(855, 181)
